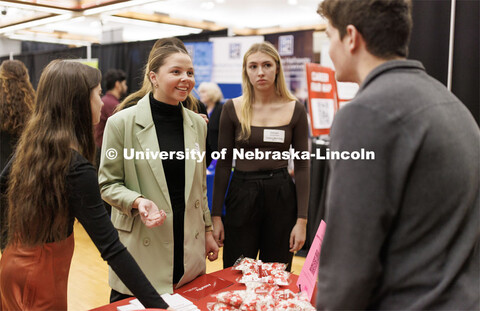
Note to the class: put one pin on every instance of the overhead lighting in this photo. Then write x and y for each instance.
(131, 21)
(207, 5)
(116, 6)
(292, 2)
(33, 7)
(78, 19)
(48, 39)
(35, 23)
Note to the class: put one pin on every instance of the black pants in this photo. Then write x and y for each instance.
(261, 211)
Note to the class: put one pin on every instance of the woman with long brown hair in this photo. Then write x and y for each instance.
(50, 182)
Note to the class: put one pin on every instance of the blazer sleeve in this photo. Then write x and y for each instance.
(111, 174)
(206, 211)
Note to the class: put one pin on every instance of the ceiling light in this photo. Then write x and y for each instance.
(79, 19)
(292, 2)
(131, 21)
(33, 7)
(116, 6)
(48, 39)
(35, 23)
(207, 5)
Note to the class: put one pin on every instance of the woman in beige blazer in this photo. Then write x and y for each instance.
(141, 188)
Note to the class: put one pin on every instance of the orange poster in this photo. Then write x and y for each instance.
(322, 98)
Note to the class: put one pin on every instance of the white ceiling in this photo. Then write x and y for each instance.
(167, 18)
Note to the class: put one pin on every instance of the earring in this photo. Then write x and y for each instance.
(156, 85)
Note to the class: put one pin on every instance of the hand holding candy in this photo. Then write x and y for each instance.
(149, 213)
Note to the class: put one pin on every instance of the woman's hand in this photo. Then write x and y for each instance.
(211, 247)
(204, 116)
(297, 236)
(218, 232)
(149, 213)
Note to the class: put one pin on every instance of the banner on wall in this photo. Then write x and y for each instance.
(322, 98)
(202, 55)
(228, 57)
(296, 50)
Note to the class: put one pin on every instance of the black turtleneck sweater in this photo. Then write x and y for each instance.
(168, 122)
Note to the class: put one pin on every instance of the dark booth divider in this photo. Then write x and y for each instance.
(430, 42)
(131, 57)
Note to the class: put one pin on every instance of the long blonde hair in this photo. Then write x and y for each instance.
(191, 102)
(248, 97)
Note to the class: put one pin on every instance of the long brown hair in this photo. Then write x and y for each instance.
(248, 96)
(191, 102)
(37, 195)
(17, 96)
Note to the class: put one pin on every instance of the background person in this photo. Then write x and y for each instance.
(403, 229)
(211, 96)
(172, 254)
(116, 88)
(51, 182)
(116, 85)
(265, 211)
(17, 97)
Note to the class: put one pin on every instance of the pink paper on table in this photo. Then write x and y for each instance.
(308, 275)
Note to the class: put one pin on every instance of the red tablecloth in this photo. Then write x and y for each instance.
(226, 274)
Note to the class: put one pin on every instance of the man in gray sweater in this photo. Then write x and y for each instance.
(402, 229)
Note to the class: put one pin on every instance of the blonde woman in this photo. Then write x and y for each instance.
(265, 210)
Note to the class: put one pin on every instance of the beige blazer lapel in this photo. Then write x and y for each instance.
(191, 143)
(147, 138)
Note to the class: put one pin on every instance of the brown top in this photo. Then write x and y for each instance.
(294, 133)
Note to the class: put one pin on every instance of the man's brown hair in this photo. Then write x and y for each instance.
(384, 24)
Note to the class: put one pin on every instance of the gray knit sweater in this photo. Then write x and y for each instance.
(403, 229)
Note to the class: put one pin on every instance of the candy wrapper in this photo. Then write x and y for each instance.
(250, 276)
(232, 298)
(261, 297)
(261, 289)
(272, 266)
(255, 302)
(274, 273)
(293, 305)
(247, 264)
(277, 277)
(250, 269)
(220, 307)
(266, 304)
(283, 294)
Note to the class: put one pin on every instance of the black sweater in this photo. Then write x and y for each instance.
(168, 122)
(86, 205)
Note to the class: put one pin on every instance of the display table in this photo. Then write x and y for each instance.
(225, 274)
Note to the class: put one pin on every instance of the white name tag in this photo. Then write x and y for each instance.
(274, 136)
